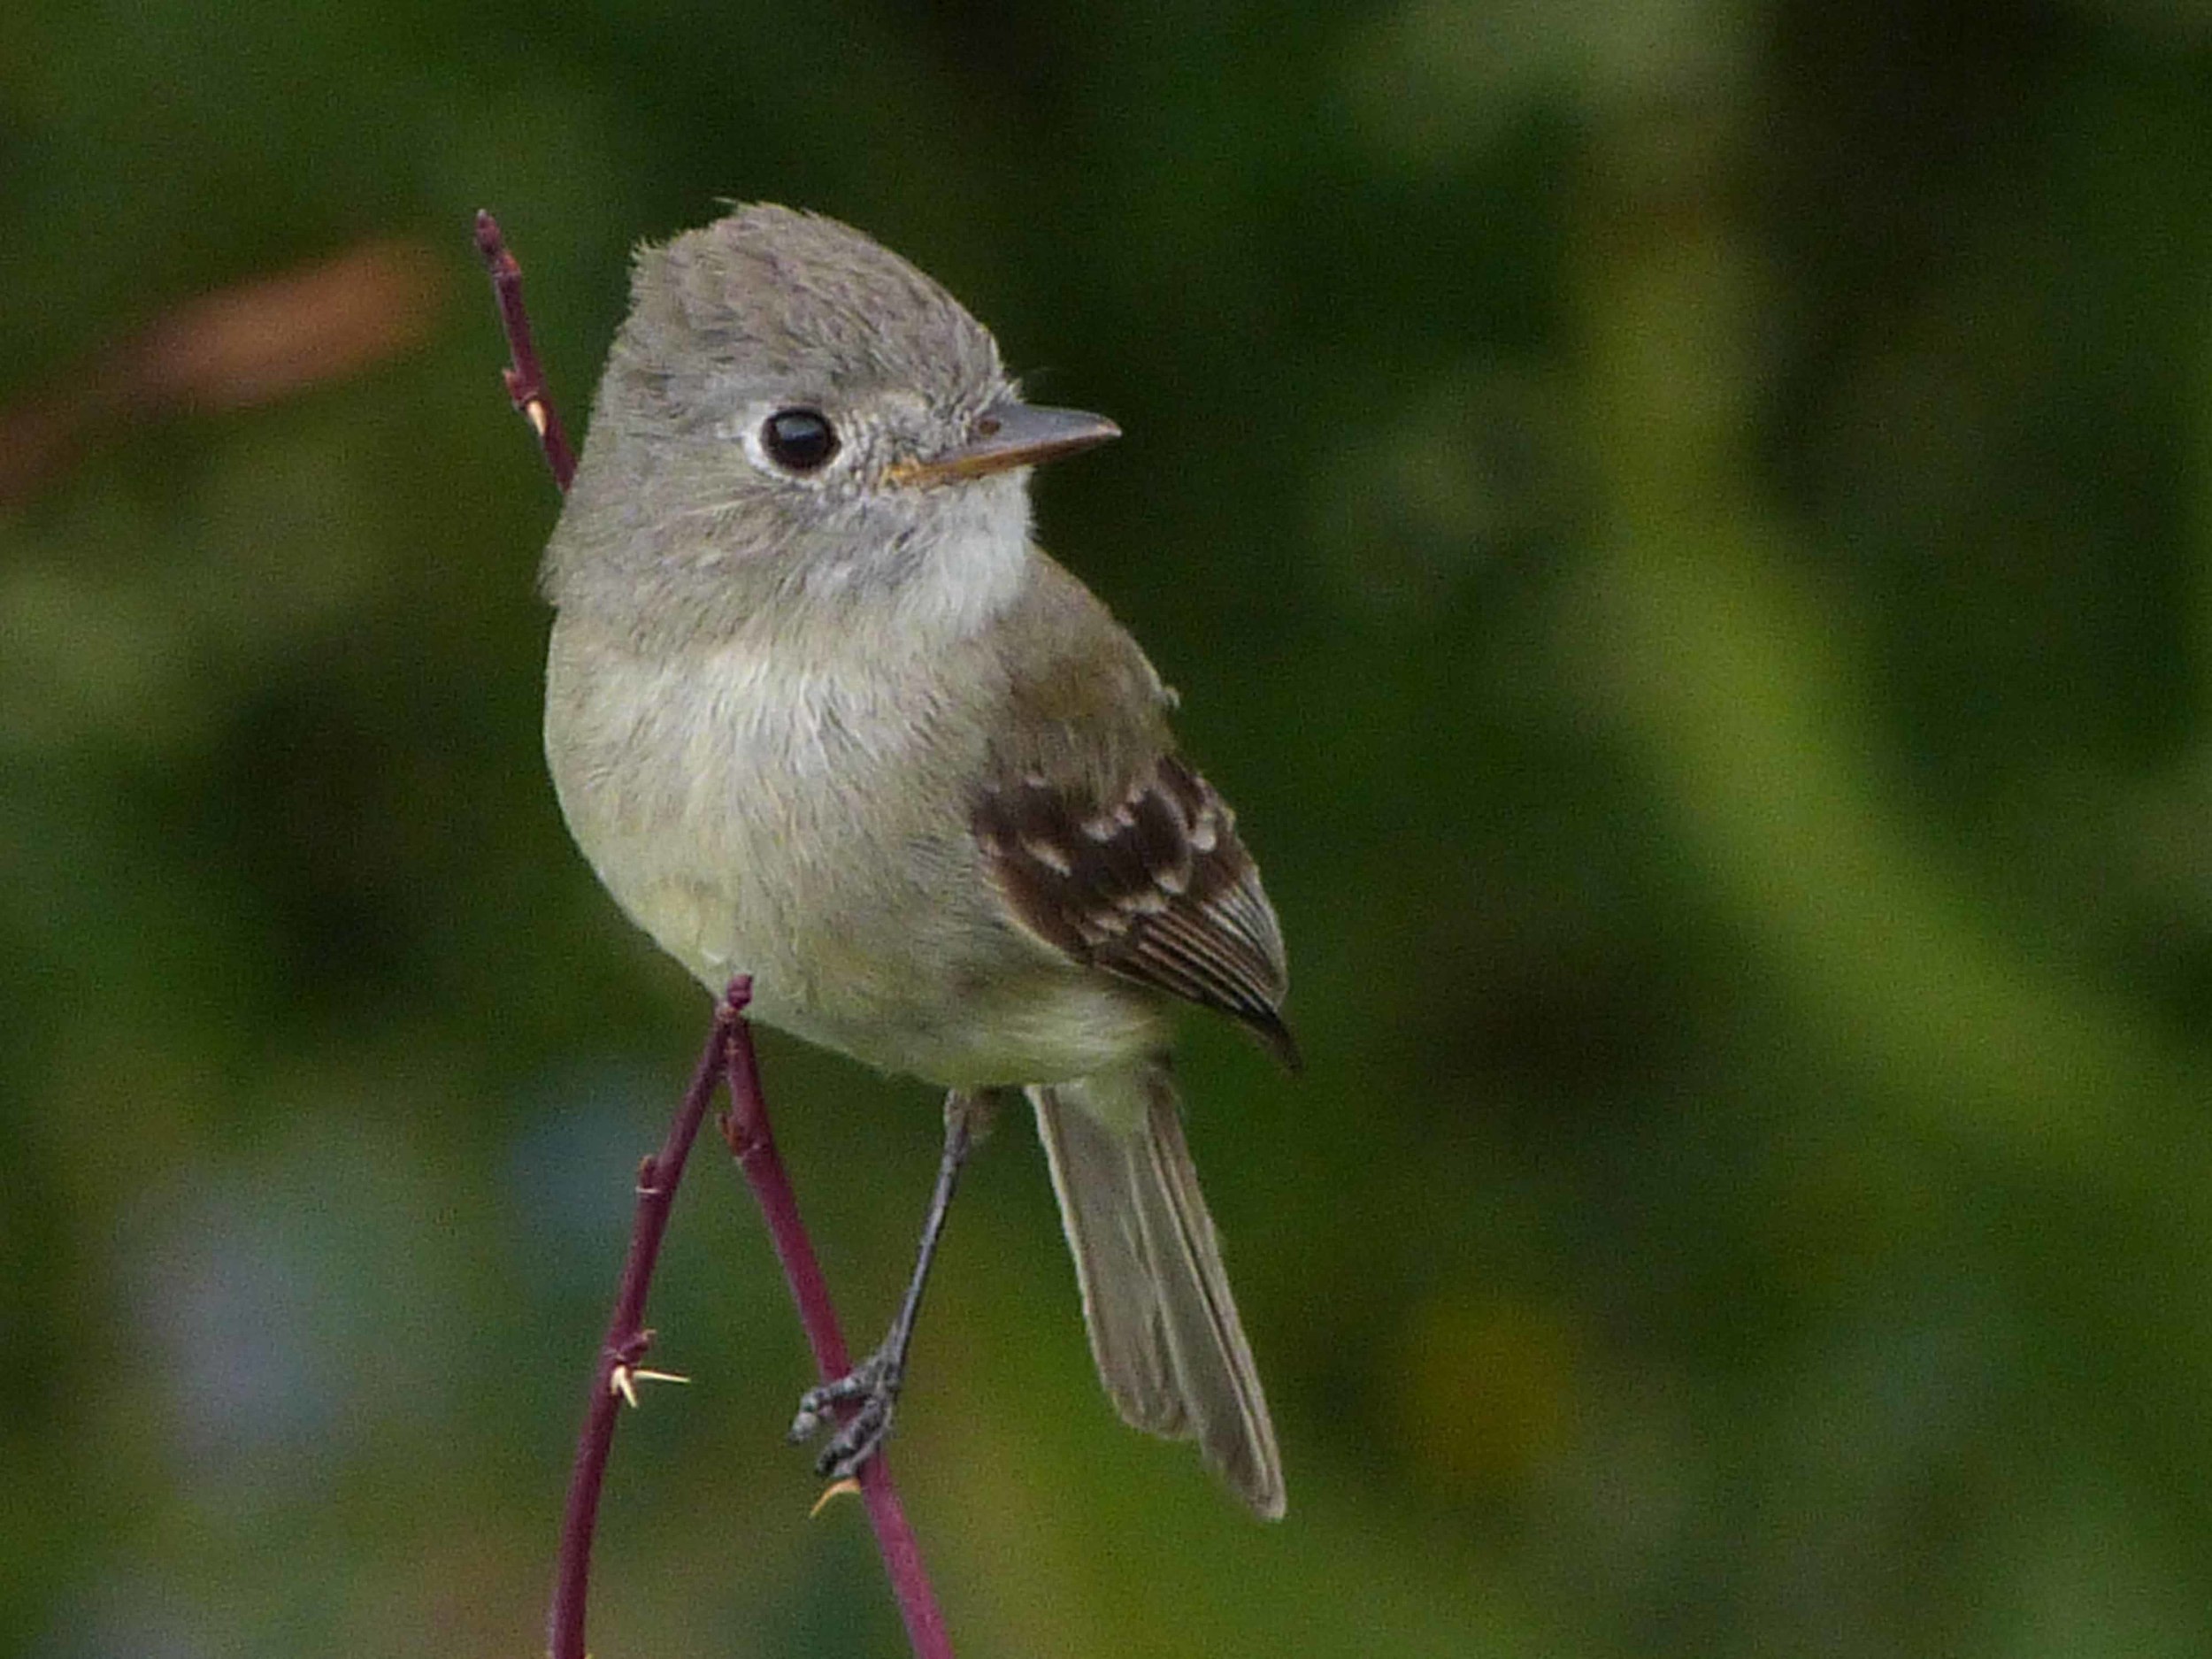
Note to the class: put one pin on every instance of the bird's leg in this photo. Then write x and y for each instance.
(875, 1381)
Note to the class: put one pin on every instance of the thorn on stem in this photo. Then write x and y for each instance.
(836, 1489)
(624, 1380)
(525, 379)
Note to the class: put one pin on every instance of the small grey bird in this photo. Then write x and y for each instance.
(819, 711)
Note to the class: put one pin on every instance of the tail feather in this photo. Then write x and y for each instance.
(1163, 1326)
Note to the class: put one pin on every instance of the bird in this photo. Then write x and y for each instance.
(819, 710)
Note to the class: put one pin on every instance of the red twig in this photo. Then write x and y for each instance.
(744, 1126)
(728, 1057)
(614, 1379)
(526, 380)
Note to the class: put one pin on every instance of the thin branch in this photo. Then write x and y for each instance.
(728, 1057)
(614, 1379)
(526, 380)
(745, 1127)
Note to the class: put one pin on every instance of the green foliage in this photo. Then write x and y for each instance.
(1683, 530)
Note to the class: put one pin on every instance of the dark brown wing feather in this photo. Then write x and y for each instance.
(1155, 886)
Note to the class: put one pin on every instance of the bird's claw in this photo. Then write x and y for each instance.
(874, 1384)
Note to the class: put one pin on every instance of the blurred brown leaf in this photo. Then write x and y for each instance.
(252, 343)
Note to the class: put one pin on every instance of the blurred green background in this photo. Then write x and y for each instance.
(1684, 527)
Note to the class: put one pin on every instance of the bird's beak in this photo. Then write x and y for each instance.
(1010, 434)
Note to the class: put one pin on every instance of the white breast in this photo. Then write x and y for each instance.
(795, 807)
(727, 796)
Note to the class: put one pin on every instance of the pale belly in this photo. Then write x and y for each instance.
(761, 824)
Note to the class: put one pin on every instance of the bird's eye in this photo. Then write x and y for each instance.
(799, 440)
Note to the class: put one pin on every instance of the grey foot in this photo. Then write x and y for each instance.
(874, 1383)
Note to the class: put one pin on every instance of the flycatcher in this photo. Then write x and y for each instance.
(819, 711)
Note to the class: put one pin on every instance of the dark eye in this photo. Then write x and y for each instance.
(798, 440)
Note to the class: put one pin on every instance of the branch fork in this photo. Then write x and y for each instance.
(727, 1060)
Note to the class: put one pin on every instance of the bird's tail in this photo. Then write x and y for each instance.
(1163, 1326)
